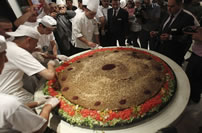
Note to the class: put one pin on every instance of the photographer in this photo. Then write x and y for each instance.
(149, 14)
(194, 66)
(139, 9)
(134, 24)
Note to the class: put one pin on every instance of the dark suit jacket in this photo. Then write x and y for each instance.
(119, 25)
(177, 47)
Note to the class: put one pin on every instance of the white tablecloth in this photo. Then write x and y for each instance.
(163, 119)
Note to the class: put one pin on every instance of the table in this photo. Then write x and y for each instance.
(163, 119)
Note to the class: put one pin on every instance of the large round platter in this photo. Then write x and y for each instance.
(78, 115)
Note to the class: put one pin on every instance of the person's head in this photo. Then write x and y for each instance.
(26, 37)
(53, 7)
(3, 58)
(147, 2)
(105, 3)
(160, 2)
(91, 9)
(115, 4)
(130, 4)
(5, 26)
(137, 3)
(90, 14)
(69, 3)
(174, 6)
(80, 5)
(47, 25)
(62, 8)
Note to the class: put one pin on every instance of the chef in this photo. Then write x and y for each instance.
(85, 27)
(15, 117)
(21, 61)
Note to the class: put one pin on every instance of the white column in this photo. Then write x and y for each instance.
(16, 9)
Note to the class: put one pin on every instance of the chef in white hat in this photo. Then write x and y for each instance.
(15, 116)
(47, 46)
(84, 27)
(93, 5)
(46, 42)
(21, 61)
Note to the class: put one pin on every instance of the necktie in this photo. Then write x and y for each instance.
(114, 15)
(168, 24)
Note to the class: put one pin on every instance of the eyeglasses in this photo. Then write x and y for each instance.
(62, 7)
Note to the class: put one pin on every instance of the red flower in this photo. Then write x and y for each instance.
(147, 106)
(98, 117)
(63, 104)
(85, 112)
(69, 110)
(52, 92)
(50, 82)
(59, 69)
(65, 64)
(112, 115)
(72, 113)
(126, 114)
(93, 113)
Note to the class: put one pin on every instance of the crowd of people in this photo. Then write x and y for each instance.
(50, 32)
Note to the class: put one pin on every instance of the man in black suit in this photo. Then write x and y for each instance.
(171, 40)
(117, 23)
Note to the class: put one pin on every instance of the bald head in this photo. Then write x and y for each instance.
(174, 6)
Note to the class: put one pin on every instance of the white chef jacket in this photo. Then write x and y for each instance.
(15, 117)
(19, 62)
(82, 26)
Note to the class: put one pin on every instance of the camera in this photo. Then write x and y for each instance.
(139, 13)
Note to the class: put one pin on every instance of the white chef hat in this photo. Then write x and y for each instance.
(48, 21)
(2, 44)
(24, 30)
(93, 5)
(123, 3)
(61, 2)
(84, 2)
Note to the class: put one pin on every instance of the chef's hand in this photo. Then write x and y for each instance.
(53, 102)
(153, 33)
(62, 57)
(164, 36)
(42, 100)
(197, 36)
(51, 63)
(48, 56)
(92, 44)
